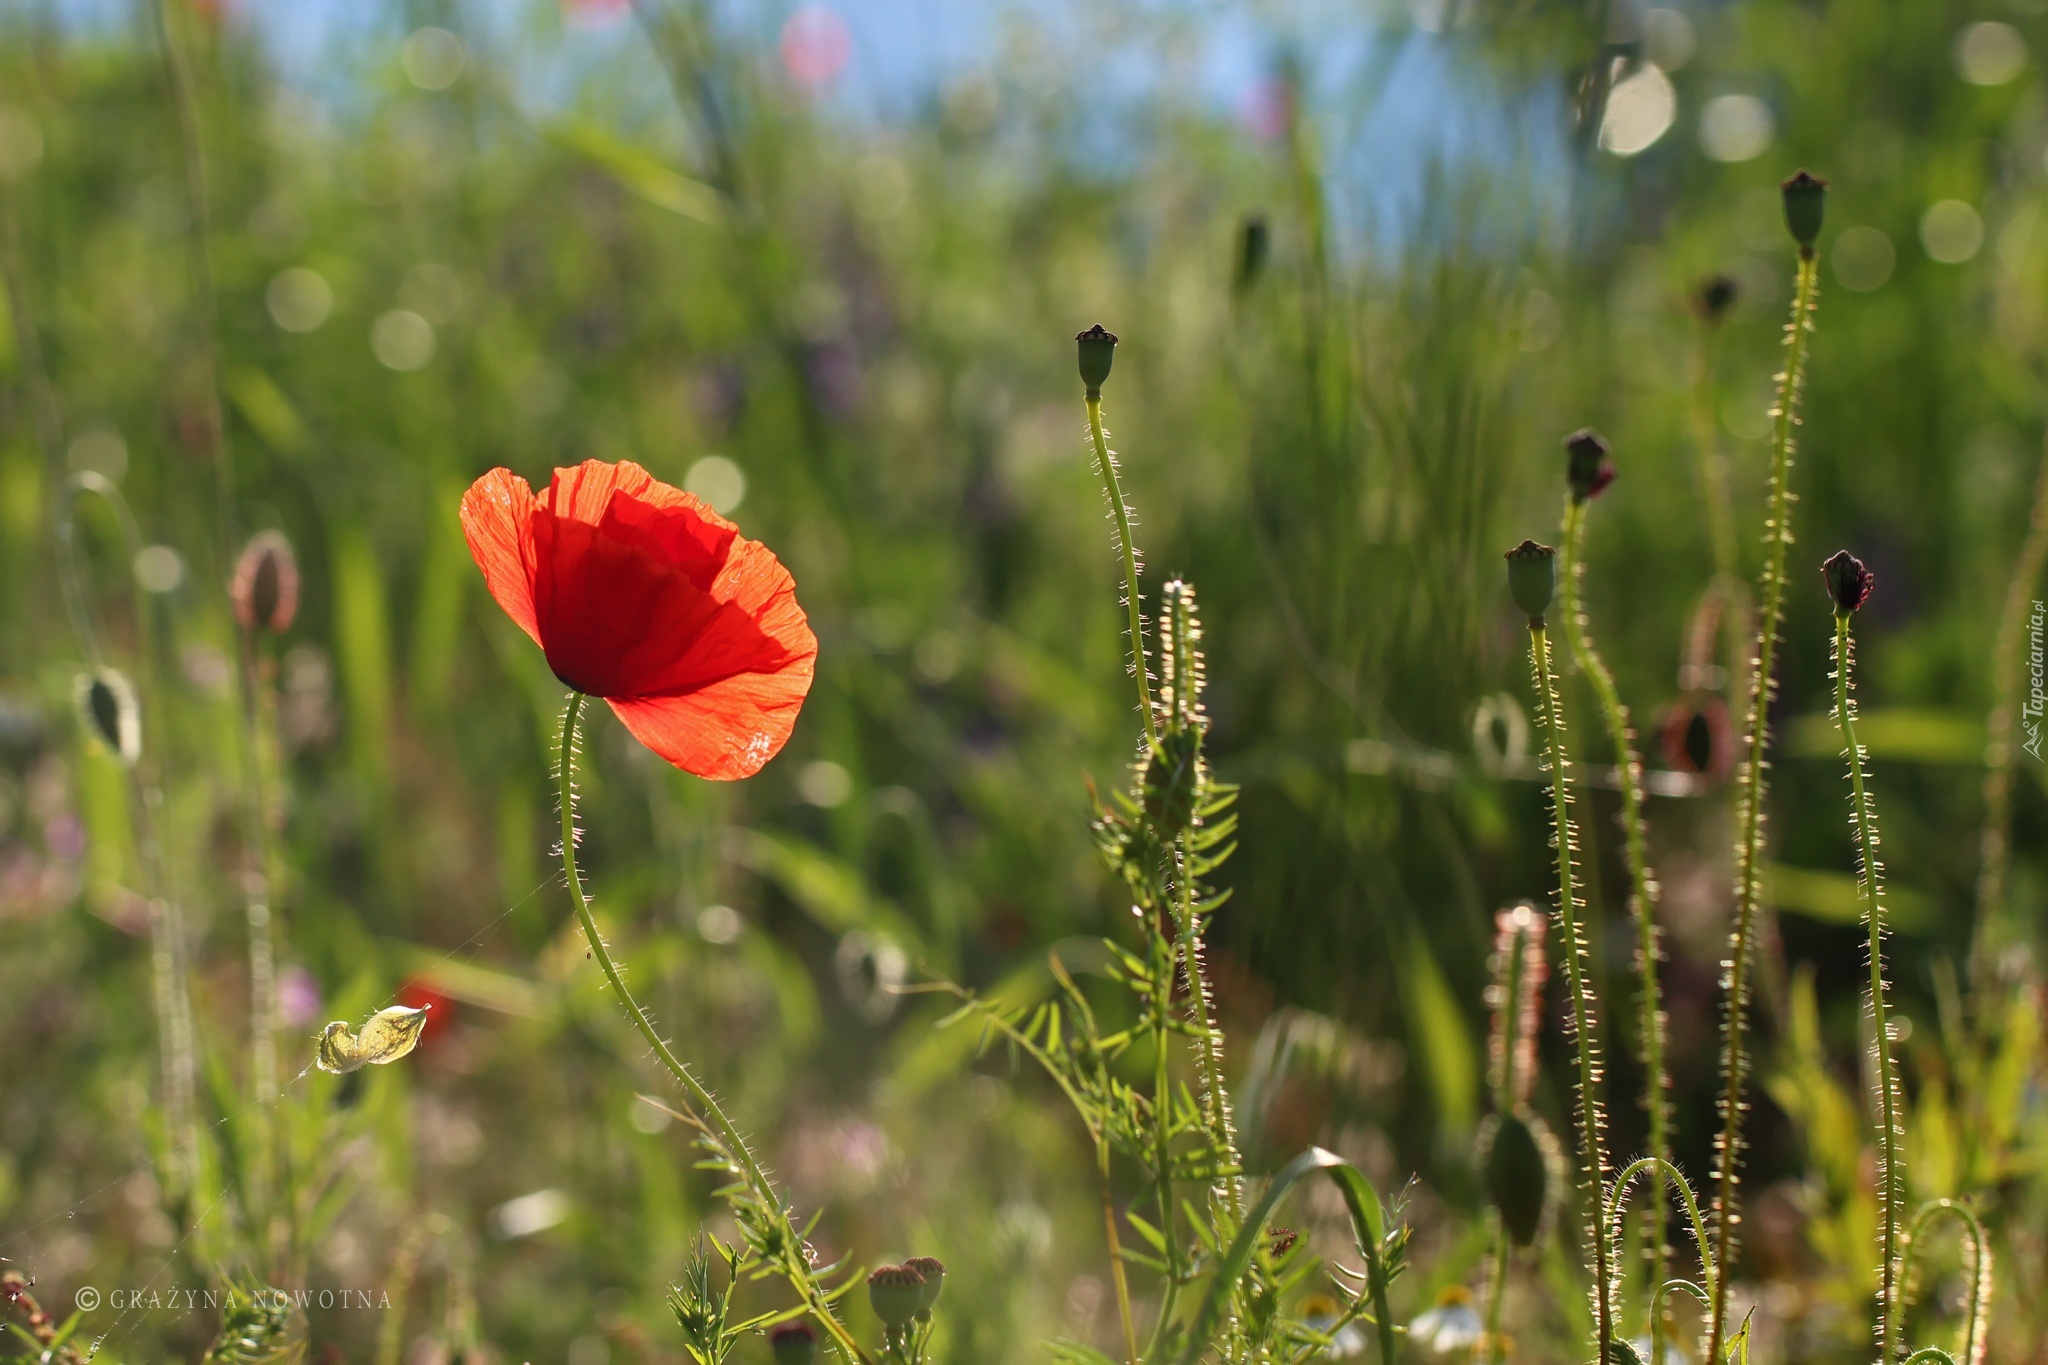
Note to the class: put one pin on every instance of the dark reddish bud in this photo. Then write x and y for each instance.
(1098, 352)
(266, 584)
(1280, 1241)
(1715, 296)
(1805, 204)
(1849, 583)
(794, 1343)
(1589, 471)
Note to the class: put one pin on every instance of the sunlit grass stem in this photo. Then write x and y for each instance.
(1643, 893)
(1891, 1172)
(701, 1098)
(1585, 1035)
(1752, 788)
(1106, 461)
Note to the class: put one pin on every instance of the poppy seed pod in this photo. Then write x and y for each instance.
(793, 1343)
(1849, 583)
(1588, 470)
(265, 588)
(934, 1272)
(1532, 578)
(1518, 1160)
(1805, 205)
(1098, 352)
(106, 703)
(895, 1292)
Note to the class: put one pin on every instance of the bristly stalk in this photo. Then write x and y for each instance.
(1643, 894)
(1870, 882)
(722, 1135)
(1105, 460)
(1752, 788)
(1585, 1034)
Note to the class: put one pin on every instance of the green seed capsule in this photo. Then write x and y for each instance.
(1518, 1158)
(1805, 205)
(1532, 578)
(1098, 352)
(934, 1272)
(894, 1292)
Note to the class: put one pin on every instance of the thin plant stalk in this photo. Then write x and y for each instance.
(1208, 1041)
(1643, 895)
(1585, 1035)
(1752, 787)
(1711, 459)
(1891, 1170)
(1106, 461)
(259, 895)
(701, 1098)
(1117, 1274)
(1995, 856)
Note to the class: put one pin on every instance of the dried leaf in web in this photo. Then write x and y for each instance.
(387, 1035)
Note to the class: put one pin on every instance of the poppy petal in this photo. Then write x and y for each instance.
(726, 731)
(497, 521)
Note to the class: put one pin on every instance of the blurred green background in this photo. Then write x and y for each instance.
(821, 266)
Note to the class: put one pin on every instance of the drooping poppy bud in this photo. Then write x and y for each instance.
(1697, 738)
(1098, 352)
(1715, 296)
(894, 1292)
(934, 1272)
(266, 584)
(106, 703)
(1520, 1161)
(1532, 578)
(1589, 471)
(1849, 583)
(794, 1343)
(1805, 204)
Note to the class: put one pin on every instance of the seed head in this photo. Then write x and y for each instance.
(794, 1343)
(1849, 583)
(1589, 471)
(895, 1292)
(266, 584)
(1098, 352)
(1805, 204)
(934, 1272)
(1532, 578)
(1715, 296)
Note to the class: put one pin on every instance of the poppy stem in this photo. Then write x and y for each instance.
(1107, 463)
(1752, 788)
(1642, 898)
(725, 1132)
(1890, 1174)
(1585, 1038)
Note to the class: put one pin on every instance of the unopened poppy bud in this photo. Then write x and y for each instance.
(934, 1272)
(1849, 583)
(1518, 1161)
(266, 584)
(894, 1292)
(794, 1343)
(1098, 352)
(1715, 296)
(1589, 471)
(106, 703)
(1805, 203)
(1532, 578)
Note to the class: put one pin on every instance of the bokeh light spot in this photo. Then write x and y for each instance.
(433, 58)
(1951, 231)
(99, 450)
(719, 482)
(1863, 258)
(815, 47)
(1735, 127)
(402, 340)
(159, 569)
(1640, 110)
(299, 299)
(1989, 53)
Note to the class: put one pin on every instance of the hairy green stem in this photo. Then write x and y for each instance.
(701, 1097)
(1752, 788)
(1585, 1035)
(1106, 462)
(1208, 1042)
(1976, 1320)
(1891, 1172)
(1643, 892)
(1117, 1275)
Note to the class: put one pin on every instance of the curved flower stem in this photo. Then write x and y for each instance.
(1642, 895)
(721, 1127)
(1106, 462)
(1752, 788)
(1890, 1175)
(1977, 1320)
(1585, 1036)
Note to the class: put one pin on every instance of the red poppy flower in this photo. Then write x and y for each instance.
(644, 596)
